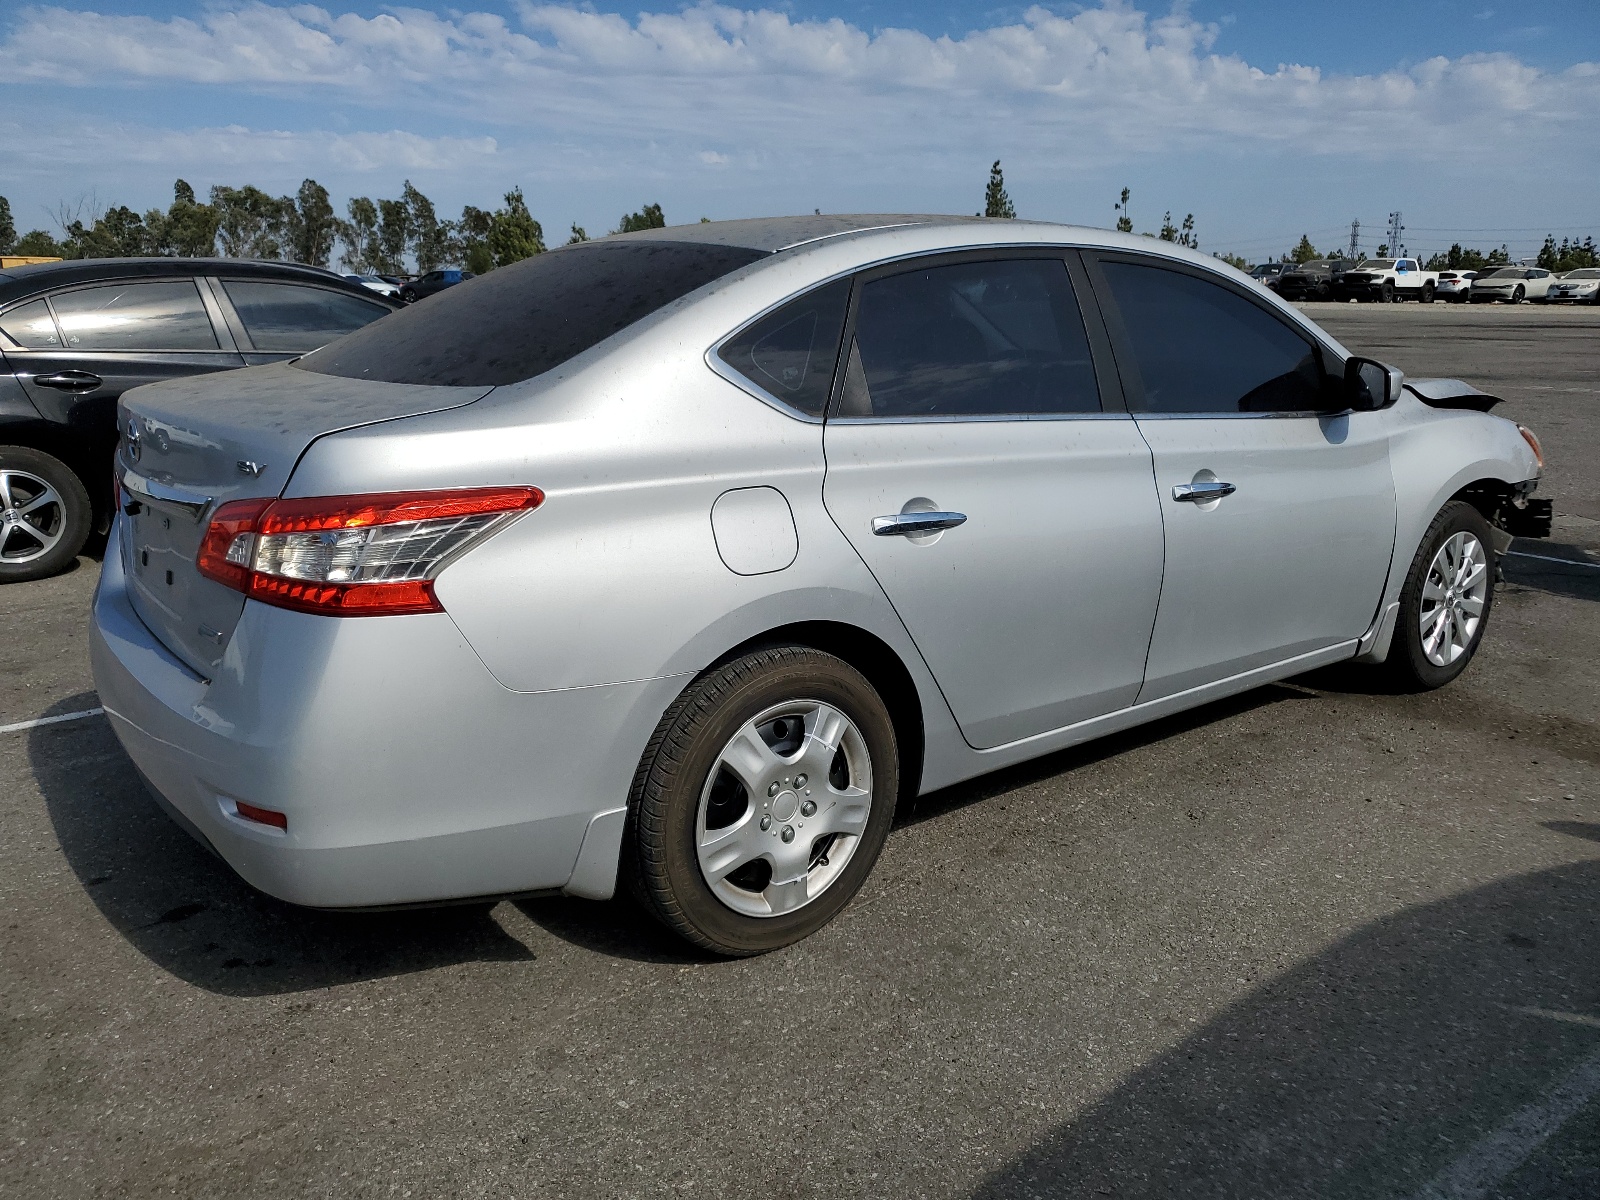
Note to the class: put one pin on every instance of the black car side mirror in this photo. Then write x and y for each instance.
(1368, 384)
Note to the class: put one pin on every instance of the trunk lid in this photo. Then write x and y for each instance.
(190, 445)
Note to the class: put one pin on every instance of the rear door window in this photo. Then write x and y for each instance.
(290, 317)
(790, 354)
(1199, 347)
(31, 326)
(165, 315)
(974, 339)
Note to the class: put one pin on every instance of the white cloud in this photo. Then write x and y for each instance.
(1109, 75)
(599, 109)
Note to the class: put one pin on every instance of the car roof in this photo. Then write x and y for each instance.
(782, 233)
(18, 282)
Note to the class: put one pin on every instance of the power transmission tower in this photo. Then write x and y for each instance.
(1355, 241)
(1395, 230)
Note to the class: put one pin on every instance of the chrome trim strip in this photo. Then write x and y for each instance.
(152, 490)
(980, 418)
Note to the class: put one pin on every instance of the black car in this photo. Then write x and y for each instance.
(75, 335)
(433, 281)
(1312, 280)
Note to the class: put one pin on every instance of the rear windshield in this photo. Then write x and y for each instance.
(524, 319)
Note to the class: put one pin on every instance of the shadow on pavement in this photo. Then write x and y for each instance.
(1367, 1070)
(1581, 581)
(190, 914)
(985, 787)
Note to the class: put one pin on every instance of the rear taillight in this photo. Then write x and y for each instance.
(353, 556)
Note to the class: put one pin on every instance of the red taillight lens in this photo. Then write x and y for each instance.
(373, 555)
(262, 816)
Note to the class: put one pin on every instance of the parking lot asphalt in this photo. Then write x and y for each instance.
(1318, 940)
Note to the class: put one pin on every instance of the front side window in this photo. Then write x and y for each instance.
(791, 353)
(31, 326)
(288, 317)
(1001, 338)
(1199, 347)
(135, 316)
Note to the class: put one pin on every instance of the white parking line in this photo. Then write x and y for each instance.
(77, 716)
(1496, 1155)
(1566, 562)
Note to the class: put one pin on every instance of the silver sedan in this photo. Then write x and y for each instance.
(680, 559)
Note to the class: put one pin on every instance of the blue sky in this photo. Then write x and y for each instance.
(1265, 120)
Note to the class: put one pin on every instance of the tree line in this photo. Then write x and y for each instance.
(373, 237)
(1569, 255)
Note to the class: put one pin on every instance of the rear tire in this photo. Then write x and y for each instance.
(750, 754)
(1427, 293)
(45, 514)
(1445, 602)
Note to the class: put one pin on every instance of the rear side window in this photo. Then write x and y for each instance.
(135, 316)
(288, 317)
(524, 319)
(31, 326)
(1200, 347)
(973, 339)
(791, 353)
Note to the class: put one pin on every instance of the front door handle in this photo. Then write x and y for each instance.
(909, 524)
(69, 381)
(1202, 492)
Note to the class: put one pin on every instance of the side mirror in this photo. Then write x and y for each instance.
(1369, 385)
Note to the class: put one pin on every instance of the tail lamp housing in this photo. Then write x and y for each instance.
(353, 556)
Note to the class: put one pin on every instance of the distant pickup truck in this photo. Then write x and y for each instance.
(1386, 280)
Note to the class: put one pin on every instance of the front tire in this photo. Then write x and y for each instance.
(1445, 603)
(1518, 294)
(762, 801)
(1386, 294)
(45, 514)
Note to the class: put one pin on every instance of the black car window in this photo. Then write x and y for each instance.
(31, 326)
(288, 317)
(994, 338)
(1200, 347)
(520, 321)
(167, 315)
(791, 353)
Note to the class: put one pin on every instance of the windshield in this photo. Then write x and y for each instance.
(1584, 273)
(1376, 264)
(523, 319)
(1504, 273)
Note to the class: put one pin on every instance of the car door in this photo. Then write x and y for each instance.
(1539, 282)
(276, 320)
(1005, 509)
(112, 337)
(1279, 513)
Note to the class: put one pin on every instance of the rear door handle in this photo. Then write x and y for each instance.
(911, 523)
(1200, 493)
(69, 381)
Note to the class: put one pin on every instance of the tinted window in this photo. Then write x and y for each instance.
(1200, 347)
(135, 316)
(286, 316)
(974, 339)
(522, 320)
(31, 326)
(791, 353)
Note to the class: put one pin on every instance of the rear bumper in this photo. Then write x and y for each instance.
(407, 772)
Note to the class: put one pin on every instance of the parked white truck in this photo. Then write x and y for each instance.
(1386, 280)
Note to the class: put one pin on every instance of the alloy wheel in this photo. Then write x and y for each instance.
(1454, 594)
(33, 517)
(783, 808)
